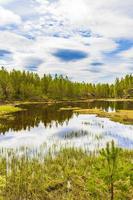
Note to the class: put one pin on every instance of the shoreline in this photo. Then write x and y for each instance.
(63, 101)
(122, 116)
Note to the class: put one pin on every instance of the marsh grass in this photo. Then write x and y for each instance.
(70, 174)
(122, 116)
(7, 109)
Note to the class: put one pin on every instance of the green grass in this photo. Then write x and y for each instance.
(7, 109)
(70, 175)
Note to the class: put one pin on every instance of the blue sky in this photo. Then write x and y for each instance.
(86, 40)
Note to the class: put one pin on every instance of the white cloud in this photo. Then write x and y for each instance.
(3, 2)
(14, 42)
(108, 19)
(128, 54)
(61, 24)
(7, 17)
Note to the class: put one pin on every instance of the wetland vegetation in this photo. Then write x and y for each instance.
(55, 140)
(123, 116)
(7, 109)
(70, 174)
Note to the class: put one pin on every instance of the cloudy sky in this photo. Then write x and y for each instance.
(87, 40)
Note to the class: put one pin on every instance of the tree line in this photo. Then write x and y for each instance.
(25, 85)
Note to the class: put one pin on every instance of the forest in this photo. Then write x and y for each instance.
(25, 85)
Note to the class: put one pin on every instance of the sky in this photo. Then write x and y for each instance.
(86, 40)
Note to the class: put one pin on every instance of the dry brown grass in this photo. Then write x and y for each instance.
(122, 116)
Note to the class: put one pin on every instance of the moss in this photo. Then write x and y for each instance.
(122, 116)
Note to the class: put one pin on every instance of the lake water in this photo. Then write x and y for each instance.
(43, 126)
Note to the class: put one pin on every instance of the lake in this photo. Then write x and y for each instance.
(43, 127)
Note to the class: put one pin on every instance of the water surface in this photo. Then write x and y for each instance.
(42, 125)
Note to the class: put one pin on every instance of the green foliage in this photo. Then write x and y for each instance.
(22, 85)
(110, 154)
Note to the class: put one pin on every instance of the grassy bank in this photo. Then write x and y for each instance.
(122, 116)
(7, 109)
(70, 175)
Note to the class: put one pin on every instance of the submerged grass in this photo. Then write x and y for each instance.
(71, 174)
(122, 116)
